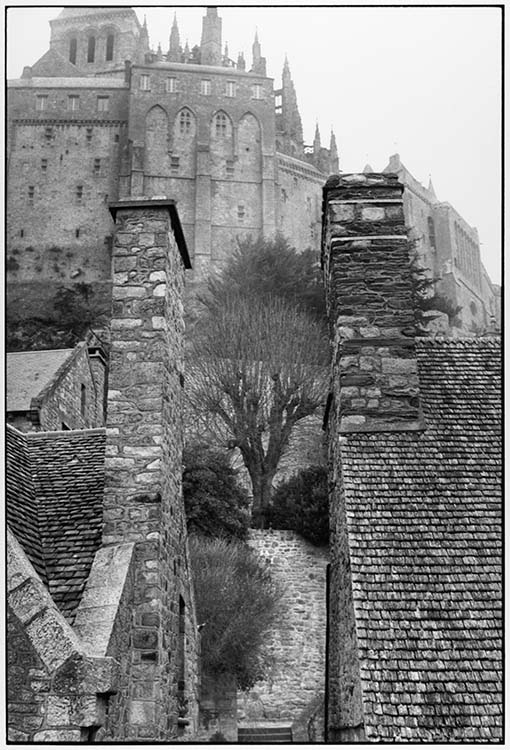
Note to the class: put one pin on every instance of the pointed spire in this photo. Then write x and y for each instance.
(290, 122)
(317, 139)
(144, 46)
(431, 187)
(259, 62)
(241, 62)
(187, 53)
(333, 154)
(174, 46)
(367, 169)
(159, 53)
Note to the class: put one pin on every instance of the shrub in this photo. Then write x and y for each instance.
(301, 504)
(216, 505)
(237, 602)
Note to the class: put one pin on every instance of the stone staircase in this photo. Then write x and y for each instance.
(264, 735)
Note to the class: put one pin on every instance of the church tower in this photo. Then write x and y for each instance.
(174, 47)
(210, 45)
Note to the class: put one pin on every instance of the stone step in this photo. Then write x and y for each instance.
(263, 735)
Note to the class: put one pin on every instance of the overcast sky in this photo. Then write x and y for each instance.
(423, 82)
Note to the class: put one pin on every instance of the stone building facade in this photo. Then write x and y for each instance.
(415, 631)
(448, 246)
(102, 639)
(86, 127)
(59, 389)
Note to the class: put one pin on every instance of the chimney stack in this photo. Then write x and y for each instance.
(365, 257)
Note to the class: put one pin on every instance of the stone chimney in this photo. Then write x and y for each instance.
(365, 257)
(143, 498)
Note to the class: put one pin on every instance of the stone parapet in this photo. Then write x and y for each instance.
(370, 301)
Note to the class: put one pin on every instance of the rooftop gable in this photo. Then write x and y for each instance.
(28, 373)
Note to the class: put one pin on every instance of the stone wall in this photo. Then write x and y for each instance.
(297, 643)
(143, 497)
(370, 303)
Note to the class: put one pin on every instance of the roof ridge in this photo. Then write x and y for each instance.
(86, 431)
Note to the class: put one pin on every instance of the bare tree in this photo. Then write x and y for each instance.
(256, 367)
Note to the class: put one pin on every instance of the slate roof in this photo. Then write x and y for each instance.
(424, 521)
(62, 475)
(29, 372)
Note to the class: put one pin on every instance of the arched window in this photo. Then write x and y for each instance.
(221, 124)
(185, 122)
(73, 44)
(83, 399)
(91, 49)
(109, 47)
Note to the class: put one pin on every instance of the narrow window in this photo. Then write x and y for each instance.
(185, 122)
(31, 191)
(103, 103)
(145, 82)
(116, 138)
(174, 163)
(220, 123)
(97, 167)
(171, 85)
(79, 194)
(205, 87)
(44, 165)
(240, 212)
(181, 650)
(72, 50)
(109, 47)
(278, 104)
(432, 232)
(230, 168)
(83, 399)
(22, 233)
(88, 135)
(41, 102)
(231, 88)
(257, 91)
(73, 103)
(91, 49)
(77, 233)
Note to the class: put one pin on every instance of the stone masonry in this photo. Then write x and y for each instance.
(370, 303)
(297, 644)
(143, 501)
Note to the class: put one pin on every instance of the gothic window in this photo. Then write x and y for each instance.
(73, 103)
(109, 47)
(432, 232)
(205, 87)
(91, 49)
(231, 88)
(221, 124)
(103, 103)
(73, 45)
(41, 102)
(83, 399)
(171, 85)
(185, 122)
(145, 83)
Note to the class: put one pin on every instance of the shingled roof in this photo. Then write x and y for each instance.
(29, 372)
(424, 524)
(56, 489)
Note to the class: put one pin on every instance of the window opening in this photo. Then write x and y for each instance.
(205, 87)
(91, 49)
(97, 166)
(83, 399)
(31, 191)
(79, 193)
(109, 47)
(41, 102)
(145, 82)
(171, 85)
(44, 164)
(73, 102)
(103, 103)
(73, 45)
(221, 124)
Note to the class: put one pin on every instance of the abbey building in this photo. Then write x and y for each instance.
(101, 117)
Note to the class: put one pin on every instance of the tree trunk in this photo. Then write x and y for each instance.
(262, 483)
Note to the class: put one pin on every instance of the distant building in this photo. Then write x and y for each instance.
(450, 248)
(102, 116)
(57, 389)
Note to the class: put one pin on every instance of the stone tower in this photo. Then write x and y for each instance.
(210, 45)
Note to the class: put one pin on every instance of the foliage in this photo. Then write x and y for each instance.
(272, 267)
(237, 602)
(74, 306)
(257, 366)
(424, 291)
(217, 737)
(216, 505)
(301, 504)
(35, 333)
